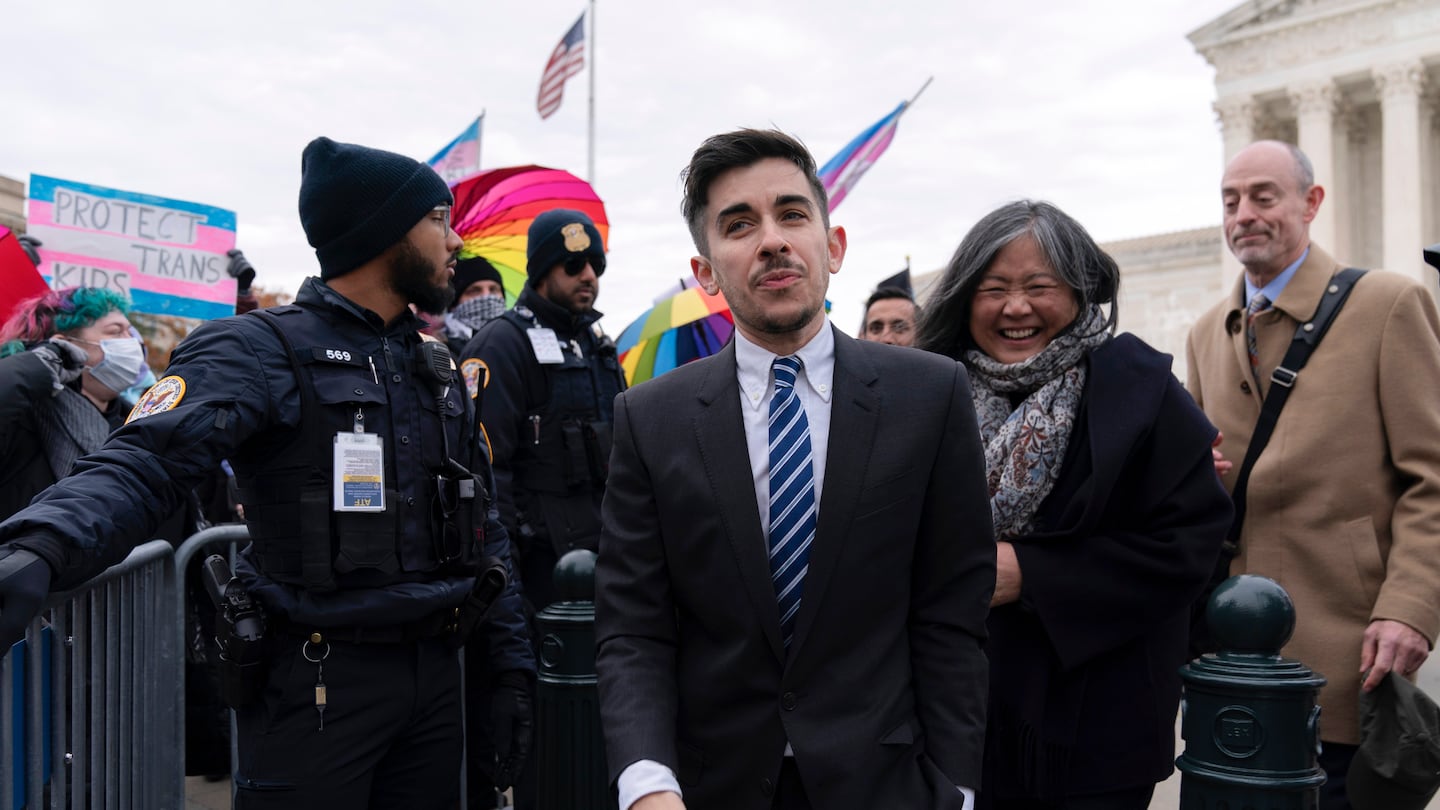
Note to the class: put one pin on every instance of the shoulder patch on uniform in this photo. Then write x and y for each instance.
(162, 396)
(476, 374)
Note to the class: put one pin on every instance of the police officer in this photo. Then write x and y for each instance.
(550, 378)
(366, 499)
(546, 378)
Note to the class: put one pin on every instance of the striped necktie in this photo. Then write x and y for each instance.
(1258, 304)
(792, 494)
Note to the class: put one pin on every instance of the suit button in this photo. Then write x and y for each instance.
(404, 439)
(1235, 328)
(1244, 387)
(787, 701)
(767, 788)
(395, 378)
(409, 501)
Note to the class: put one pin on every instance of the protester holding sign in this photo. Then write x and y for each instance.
(67, 355)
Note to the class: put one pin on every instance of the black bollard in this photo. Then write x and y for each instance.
(570, 749)
(1249, 719)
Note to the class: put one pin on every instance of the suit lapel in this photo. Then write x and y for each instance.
(727, 467)
(854, 414)
(1239, 346)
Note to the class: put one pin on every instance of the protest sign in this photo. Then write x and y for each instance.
(167, 255)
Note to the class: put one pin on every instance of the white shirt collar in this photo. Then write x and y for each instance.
(754, 373)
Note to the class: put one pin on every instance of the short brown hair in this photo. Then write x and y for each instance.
(734, 150)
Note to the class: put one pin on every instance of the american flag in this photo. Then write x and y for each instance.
(567, 60)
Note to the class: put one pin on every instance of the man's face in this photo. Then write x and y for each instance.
(479, 288)
(770, 252)
(890, 320)
(576, 293)
(1267, 216)
(423, 262)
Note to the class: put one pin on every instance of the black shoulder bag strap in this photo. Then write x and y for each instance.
(1282, 380)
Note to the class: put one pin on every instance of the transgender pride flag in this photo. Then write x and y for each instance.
(460, 159)
(845, 169)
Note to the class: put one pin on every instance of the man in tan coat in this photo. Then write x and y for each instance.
(1344, 502)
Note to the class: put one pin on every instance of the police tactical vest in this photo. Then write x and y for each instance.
(432, 518)
(569, 412)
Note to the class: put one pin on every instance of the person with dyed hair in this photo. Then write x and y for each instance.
(65, 357)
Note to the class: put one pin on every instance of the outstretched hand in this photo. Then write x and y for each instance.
(30, 245)
(240, 269)
(24, 584)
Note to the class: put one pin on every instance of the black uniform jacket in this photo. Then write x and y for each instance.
(1083, 669)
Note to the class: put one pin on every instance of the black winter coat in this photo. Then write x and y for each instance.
(1083, 669)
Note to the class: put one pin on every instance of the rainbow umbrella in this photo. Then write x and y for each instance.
(683, 327)
(493, 211)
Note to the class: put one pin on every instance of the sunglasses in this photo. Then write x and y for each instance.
(575, 265)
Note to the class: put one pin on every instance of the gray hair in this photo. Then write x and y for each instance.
(1304, 169)
(1090, 272)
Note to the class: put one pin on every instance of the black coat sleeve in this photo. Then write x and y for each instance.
(1148, 549)
(116, 497)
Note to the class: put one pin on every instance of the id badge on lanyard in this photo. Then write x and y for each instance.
(546, 346)
(359, 470)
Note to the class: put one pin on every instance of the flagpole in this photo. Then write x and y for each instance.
(594, 53)
(479, 137)
(917, 92)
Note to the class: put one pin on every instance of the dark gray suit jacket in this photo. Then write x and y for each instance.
(882, 695)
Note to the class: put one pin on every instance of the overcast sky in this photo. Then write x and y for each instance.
(1101, 107)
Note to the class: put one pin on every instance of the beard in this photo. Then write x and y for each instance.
(771, 322)
(413, 277)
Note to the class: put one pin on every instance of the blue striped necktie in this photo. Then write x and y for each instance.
(792, 494)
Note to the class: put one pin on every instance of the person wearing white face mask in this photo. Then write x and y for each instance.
(65, 356)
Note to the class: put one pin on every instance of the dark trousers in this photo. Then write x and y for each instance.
(392, 729)
(1335, 760)
(790, 793)
(1129, 799)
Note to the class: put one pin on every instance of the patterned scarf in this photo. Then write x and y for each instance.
(70, 428)
(1025, 445)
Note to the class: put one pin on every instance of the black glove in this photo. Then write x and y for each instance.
(241, 270)
(65, 360)
(24, 584)
(28, 244)
(511, 720)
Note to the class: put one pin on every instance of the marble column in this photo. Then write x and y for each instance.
(1315, 123)
(1399, 87)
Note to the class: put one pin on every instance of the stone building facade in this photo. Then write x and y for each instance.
(1354, 83)
(12, 204)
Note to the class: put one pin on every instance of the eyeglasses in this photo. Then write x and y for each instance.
(575, 265)
(444, 212)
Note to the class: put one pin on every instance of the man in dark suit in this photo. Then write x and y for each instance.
(797, 557)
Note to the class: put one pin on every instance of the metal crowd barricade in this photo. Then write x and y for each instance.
(200, 544)
(91, 706)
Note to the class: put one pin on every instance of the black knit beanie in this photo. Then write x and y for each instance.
(356, 201)
(558, 234)
(468, 271)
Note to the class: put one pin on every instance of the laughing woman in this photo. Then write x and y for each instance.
(1108, 513)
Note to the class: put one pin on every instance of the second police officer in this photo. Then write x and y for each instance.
(545, 378)
(365, 495)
